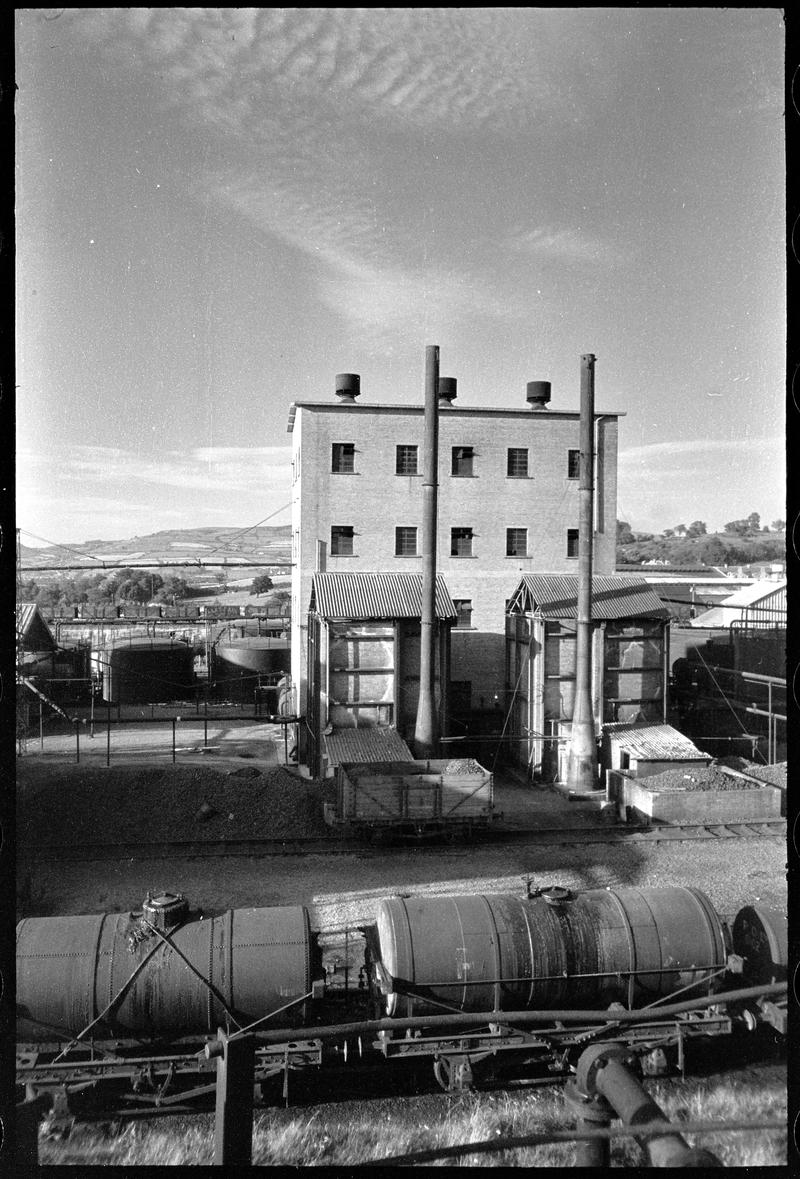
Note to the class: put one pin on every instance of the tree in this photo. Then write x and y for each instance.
(262, 584)
(668, 532)
(778, 525)
(696, 528)
(173, 589)
(754, 520)
(680, 529)
(624, 534)
(738, 527)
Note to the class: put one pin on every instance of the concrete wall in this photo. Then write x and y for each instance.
(374, 500)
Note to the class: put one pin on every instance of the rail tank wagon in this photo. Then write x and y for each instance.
(552, 950)
(169, 973)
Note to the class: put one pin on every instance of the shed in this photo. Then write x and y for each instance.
(364, 658)
(630, 651)
(645, 749)
(33, 633)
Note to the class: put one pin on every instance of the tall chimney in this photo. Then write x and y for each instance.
(348, 387)
(582, 750)
(425, 733)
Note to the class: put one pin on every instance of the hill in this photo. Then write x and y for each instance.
(233, 546)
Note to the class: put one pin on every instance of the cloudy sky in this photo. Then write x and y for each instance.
(220, 209)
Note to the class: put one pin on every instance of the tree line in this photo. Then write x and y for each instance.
(741, 543)
(121, 585)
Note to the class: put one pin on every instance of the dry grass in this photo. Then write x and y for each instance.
(357, 1133)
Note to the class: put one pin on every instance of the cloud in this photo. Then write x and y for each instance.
(561, 245)
(694, 448)
(215, 470)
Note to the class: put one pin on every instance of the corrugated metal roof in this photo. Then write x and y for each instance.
(555, 595)
(653, 742)
(366, 596)
(365, 745)
(32, 628)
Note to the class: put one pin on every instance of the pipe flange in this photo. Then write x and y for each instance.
(592, 1059)
(585, 1108)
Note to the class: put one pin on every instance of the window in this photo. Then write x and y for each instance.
(405, 542)
(516, 542)
(573, 464)
(406, 463)
(463, 613)
(462, 460)
(460, 542)
(342, 540)
(517, 462)
(343, 458)
(572, 542)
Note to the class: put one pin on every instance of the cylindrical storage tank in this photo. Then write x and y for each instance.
(238, 663)
(252, 961)
(556, 950)
(146, 671)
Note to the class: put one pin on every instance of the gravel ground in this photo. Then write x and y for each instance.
(62, 802)
(76, 803)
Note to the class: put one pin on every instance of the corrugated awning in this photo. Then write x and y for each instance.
(653, 742)
(555, 595)
(370, 596)
(366, 745)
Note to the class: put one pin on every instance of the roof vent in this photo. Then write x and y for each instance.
(538, 394)
(348, 387)
(447, 390)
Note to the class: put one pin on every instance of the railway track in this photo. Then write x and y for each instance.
(337, 845)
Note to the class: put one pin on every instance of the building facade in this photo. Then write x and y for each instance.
(507, 504)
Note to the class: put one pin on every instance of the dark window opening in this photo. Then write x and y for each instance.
(517, 462)
(405, 542)
(573, 464)
(516, 542)
(463, 457)
(342, 540)
(460, 542)
(572, 542)
(407, 460)
(343, 458)
(463, 613)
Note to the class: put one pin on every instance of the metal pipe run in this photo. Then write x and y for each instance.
(425, 733)
(434, 1023)
(602, 1076)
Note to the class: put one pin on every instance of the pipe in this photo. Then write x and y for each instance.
(425, 733)
(582, 757)
(435, 1023)
(602, 1073)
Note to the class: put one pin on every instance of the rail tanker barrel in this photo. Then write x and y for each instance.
(552, 950)
(250, 961)
(761, 936)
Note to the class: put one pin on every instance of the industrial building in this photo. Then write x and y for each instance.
(507, 505)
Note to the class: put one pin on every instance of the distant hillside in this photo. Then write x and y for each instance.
(231, 545)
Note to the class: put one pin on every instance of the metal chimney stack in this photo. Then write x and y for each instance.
(425, 733)
(582, 749)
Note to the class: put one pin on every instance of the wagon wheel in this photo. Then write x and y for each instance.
(453, 1073)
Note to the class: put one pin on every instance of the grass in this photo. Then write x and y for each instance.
(357, 1133)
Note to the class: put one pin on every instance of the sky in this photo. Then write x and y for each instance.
(220, 209)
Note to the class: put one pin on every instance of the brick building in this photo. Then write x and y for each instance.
(507, 505)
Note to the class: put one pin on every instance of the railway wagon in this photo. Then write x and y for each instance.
(412, 797)
(496, 982)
